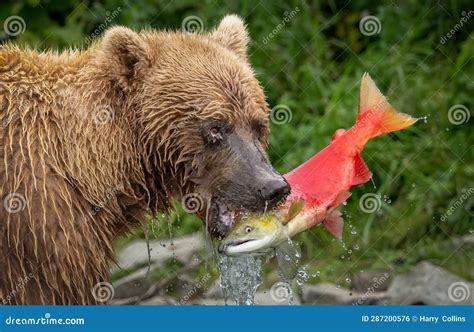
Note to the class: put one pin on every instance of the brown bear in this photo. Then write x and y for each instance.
(92, 140)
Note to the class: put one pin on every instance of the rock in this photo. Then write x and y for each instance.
(430, 284)
(135, 254)
(465, 242)
(327, 293)
(374, 281)
(134, 284)
(207, 302)
(159, 300)
(269, 298)
(214, 291)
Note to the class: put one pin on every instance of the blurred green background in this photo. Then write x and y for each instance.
(313, 64)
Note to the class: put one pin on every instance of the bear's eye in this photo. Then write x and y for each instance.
(214, 133)
(261, 129)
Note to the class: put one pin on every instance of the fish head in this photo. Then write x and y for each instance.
(254, 234)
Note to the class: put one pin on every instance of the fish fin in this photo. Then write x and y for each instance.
(288, 258)
(372, 100)
(340, 198)
(334, 223)
(362, 174)
(296, 206)
(338, 133)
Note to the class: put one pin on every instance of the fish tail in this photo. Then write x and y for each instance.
(376, 112)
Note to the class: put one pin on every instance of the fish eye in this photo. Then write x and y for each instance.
(248, 229)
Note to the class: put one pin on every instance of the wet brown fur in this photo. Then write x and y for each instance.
(93, 139)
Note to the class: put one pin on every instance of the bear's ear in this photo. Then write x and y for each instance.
(232, 33)
(125, 53)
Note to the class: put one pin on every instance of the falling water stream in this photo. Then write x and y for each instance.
(240, 278)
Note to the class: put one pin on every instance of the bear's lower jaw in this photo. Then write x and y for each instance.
(221, 218)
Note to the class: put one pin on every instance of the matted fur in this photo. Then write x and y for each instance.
(93, 139)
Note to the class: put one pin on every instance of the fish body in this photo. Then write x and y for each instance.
(322, 183)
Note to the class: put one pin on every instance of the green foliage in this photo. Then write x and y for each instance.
(313, 65)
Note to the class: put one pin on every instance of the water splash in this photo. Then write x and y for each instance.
(240, 278)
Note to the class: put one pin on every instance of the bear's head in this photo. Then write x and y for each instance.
(201, 120)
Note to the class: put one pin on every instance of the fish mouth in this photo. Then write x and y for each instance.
(246, 246)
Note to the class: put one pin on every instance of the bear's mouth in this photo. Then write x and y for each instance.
(222, 217)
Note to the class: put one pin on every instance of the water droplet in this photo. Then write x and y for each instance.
(355, 247)
(348, 280)
(353, 232)
(316, 274)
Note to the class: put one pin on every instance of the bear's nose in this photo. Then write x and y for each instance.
(274, 191)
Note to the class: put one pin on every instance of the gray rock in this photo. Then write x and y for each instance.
(159, 300)
(374, 281)
(269, 298)
(327, 293)
(207, 302)
(465, 242)
(135, 284)
(214, 291)
(135, 254)
(430, 284)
